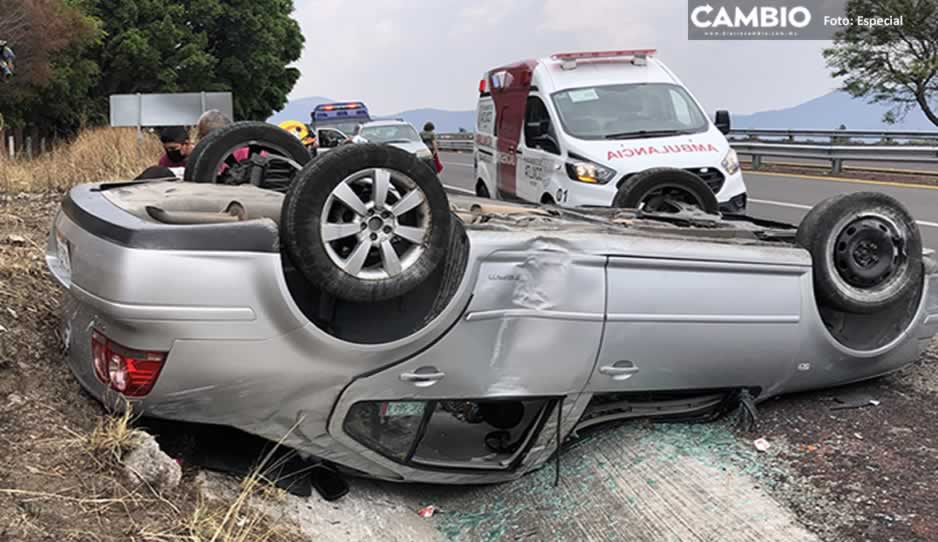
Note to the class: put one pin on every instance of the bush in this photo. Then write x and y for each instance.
(98, 154)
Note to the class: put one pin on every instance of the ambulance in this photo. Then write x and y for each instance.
(569, 129)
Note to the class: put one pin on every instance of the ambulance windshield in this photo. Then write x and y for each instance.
(628, 111)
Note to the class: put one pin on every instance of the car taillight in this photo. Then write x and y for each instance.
(99, 356)
(130, 372)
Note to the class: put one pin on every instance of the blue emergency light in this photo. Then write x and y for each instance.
(342, 110)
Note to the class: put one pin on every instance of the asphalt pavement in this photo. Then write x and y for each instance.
(782, 197)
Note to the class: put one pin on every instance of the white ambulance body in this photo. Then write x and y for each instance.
(569, 129)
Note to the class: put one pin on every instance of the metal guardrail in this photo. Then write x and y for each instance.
(462, 141)
(836, 155)
(838, 136)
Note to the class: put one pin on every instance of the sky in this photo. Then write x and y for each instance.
(397, 55)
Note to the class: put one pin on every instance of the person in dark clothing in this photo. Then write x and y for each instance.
(428, 136)
(177, 146)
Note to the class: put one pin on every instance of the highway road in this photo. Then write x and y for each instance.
(783, 197)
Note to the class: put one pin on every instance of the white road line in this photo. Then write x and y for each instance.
(806, 207)
(779, 203)
(457, 164)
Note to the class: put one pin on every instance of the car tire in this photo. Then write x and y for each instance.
(866, 251)
(646, 188)
(351, 246)
(205, 159)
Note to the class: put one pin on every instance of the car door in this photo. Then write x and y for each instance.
(509, 86)
(540, 152)
(528, 336)
(329, 138)
(693, 323)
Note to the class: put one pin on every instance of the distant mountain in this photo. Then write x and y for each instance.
(444, 121)
(828, 112)
(298, 109)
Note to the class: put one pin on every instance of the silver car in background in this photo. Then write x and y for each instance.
(398, 133)
(368, 318)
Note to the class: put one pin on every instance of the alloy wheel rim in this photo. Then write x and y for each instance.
(375, 224)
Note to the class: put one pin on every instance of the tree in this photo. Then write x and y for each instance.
(52, 78)
(896, 65)
(241, 46)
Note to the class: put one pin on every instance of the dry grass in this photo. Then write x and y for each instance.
(60, 474)
(242, 520)
(96, 155)
(114, 435)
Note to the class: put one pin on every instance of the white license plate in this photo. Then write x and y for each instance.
(403, 408)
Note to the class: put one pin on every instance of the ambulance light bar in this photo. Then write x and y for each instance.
(639, 56)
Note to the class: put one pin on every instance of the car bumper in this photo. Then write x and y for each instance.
(735, 206)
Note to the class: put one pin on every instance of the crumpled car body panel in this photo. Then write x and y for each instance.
(555, 308)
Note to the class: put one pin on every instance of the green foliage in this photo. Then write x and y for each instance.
(129, 46)
(896, 65)
(52, 78)
(241, 46)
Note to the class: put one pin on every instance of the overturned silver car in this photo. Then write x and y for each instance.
(364, 316)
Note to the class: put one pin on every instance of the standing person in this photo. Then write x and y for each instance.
(7, 56)
(210, 121)
(429, 139)
(176, 147)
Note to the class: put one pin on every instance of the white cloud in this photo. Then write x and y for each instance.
(399, 54)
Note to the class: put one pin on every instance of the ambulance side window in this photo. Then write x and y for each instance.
(485, 123)
(538, 130)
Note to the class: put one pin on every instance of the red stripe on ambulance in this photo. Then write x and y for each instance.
(664, 149)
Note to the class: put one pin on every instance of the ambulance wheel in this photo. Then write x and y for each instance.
(663, 190)
(274, 158)
(366, 222)
(866, 251)
(482, 191)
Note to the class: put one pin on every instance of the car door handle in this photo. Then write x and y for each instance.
(428, 377)
(622, 370)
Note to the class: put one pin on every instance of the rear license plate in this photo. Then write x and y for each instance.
(403, 408)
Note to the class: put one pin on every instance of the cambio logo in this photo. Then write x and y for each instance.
(756, 17)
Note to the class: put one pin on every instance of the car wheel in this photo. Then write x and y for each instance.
(866, 251)
(366, 222)
(662, 190)
(274, 156)
(481, 190)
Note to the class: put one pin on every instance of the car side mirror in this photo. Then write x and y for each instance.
(536, 129)
(722, 121)
(547, 143)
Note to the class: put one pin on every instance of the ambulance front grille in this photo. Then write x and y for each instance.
(711, 176)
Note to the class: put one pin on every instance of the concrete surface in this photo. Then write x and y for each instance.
(637, 482)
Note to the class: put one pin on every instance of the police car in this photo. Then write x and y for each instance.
(334, 123)
(573, 128)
